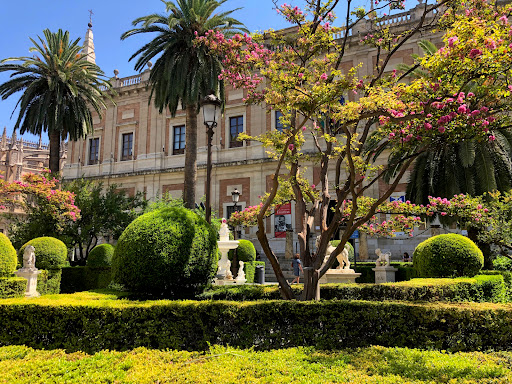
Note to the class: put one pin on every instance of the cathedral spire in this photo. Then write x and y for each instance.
(89, 42)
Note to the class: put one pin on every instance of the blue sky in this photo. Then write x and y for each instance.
(20, 20)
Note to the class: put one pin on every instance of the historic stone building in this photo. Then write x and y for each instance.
(19, 156)
(135, 146)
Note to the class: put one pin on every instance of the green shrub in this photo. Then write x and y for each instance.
(91, 325)
(446, 256)
(51, 253)
(78, 279)
(250, 269)
(478, 289)
(101, 256)
(12, 287)
(170, 252)
(48, 281)
(245, 251)
(8, 259)
(502, 263)
(376, 364)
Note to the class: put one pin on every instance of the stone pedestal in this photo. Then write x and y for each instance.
(336, 276)
(384, 274)
(223, 282)
(31, 275)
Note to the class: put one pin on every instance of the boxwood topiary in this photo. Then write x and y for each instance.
(167, 252)
(51, 253)
(8, 258)
(101, 256)
(245, 251)
(446, 256)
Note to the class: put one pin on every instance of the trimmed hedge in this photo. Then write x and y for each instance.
(245, 252)
(78, 279)
(372, 365)
(92, 325)
(447, 256)
(250, 270)
(48, 281)
(477, 289)
(169, 252)
(51, 253)
(8, 259)
(101, 256)
(12, 287)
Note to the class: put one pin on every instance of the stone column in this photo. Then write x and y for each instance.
(288, 251)
(363, 247)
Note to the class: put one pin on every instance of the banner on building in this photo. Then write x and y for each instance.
(283, 220)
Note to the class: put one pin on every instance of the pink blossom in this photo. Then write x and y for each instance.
(504, 19)
(441, 129)
(324, 76)
(474, 53)
(291, 147)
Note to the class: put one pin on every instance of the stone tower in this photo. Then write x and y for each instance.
(89, 44)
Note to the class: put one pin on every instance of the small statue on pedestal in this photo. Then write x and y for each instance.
(383, 258)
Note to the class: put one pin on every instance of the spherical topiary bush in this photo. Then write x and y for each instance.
(447, 256)
(8, 259)
(245, 251)
(101, 256)
(51, 253)
(167, 252)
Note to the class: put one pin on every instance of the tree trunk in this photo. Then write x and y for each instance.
(484, 247)
(54, 152)
(189, 184)
(311, 285)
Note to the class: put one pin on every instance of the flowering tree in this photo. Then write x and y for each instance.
(466, 94)
(34, 188)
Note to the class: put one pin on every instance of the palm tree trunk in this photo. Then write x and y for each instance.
(189, 185)
(54, 152)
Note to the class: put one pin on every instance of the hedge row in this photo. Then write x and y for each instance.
(23, 365)
(93, 325)
(78, 279)
(48, 281)
(12, 287)
(491, 288)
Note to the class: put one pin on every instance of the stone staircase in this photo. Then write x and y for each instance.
(286, 266)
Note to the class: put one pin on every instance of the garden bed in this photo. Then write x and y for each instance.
(220, 365)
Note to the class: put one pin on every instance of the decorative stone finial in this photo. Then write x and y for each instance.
(150, 64)
(116, 72)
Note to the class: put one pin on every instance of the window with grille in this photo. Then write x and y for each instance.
(236, 126)
(279, 125)
(127, 151)
(179, 140)
(94, 150)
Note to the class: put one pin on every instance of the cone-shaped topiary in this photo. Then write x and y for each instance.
(51, 253)
(8, 259)
(101, 256)
(447, 256)
(245, 251)
(167, 252)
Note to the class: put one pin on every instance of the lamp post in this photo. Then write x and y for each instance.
(210, 104)
(235, 195)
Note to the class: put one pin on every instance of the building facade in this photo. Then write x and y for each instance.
(135, 146)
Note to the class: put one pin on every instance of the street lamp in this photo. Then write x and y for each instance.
(210, 104)
(235, 195)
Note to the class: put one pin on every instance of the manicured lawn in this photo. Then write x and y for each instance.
(19, 364)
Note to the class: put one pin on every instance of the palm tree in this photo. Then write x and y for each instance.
(184, 73)
(59, 86)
